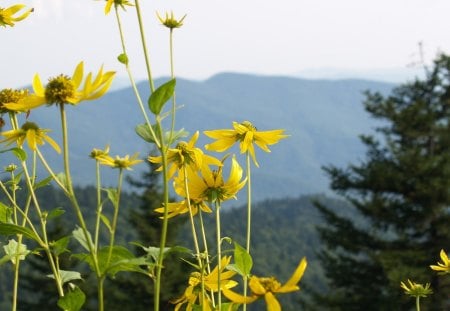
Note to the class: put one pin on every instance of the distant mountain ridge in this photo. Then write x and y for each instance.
(322, 117)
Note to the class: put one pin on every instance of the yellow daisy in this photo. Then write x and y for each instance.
(210, 185)
(444, 266)
(246, 134)
(32, 134)
(10, 96)
(125, 162)
(170, 21)
(416, 289)
(8, 16)
(268, 287)
(65, 90)
(185, 154)
(193, 292)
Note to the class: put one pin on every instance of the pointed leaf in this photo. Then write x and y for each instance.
(144, 132)
(112, 195)
(161, 95)
(242, 259)
(60, 246)
(78, 234)
(19, 153)
(56, 212)
(106, 222)
(43, 183)
(11, 229)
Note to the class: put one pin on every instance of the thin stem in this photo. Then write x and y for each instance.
(99, 204)
(249, 219)
(172, 73)
(115, 216)
(165, 219)
(144, 45)
(50, 171)
(71, 193)
(219, 256)
(418, 303)
(132, 81)
(205, 245)
(191, 216)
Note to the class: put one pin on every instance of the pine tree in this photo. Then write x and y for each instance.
(401, 198)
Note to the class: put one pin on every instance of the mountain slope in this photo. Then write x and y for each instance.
(323, 119)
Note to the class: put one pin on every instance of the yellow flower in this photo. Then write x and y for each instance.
(268, 287)
(179, 208)
(32, 133)
(246, 134)
(416, 289)
(170, 21)
(211, 186)
(125, 162)
(10, 96)
(65, 90)
(97, 154)
(7, 16)
(186, 155)
(443, 267)
(121, 3)
(210, 281)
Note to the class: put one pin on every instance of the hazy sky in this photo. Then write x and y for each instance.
(279, 37)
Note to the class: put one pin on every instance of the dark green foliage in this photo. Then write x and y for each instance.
(401, 193)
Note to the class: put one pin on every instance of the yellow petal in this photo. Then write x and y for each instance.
(237, 298)
(291, 284)
(38, 88)
(272, 302)
(77, 76)
(31, 139)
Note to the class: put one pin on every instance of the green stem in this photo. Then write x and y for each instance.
(219, 255)
(44, 243)
(191, 216)
(115, 217)
(100, 294)
(99, 205)
(172, 73)
(249, 219)
(162, 245)
(132, 81)
(144, 46)
(418, 303)
(50, 171)
(205, 245)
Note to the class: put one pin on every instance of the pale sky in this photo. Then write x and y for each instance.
(278, 37)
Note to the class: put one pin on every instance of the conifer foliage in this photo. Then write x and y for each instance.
(401, 193)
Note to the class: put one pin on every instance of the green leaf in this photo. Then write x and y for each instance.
(72, 300)
(56, 212)
(67, 276)
(144, 132)
(60, 246)
(121, 260)
(78, 234)
(43, 183)
(106, 222)
(5, 213)
(11, 229)
(19, 153)
(14, 249)
(161, 95)
(113, 196)
(242, 260)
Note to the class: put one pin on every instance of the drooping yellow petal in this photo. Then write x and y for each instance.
(272, 302)
(31, 139)
(238, 298)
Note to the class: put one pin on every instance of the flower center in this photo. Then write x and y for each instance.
(60, 90)
(30, 126)
(270, 284)
(11, 96)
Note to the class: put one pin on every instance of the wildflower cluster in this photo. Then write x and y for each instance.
(200, 182)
